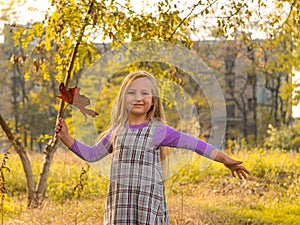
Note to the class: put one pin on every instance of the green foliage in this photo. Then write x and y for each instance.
(296, 98)
(16, 180)
(81, 22)
(39, 118)
(287, 137)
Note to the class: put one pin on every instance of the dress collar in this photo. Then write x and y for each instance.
(137, 126)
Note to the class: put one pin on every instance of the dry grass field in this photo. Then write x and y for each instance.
(270, 195)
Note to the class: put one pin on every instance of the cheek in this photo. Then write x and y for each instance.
(147, 98)
(128, 101)
(150, 100)
(129, 98)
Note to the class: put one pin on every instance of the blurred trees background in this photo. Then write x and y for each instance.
(252, 47)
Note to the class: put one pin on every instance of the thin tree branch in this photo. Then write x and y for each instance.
(188, 15)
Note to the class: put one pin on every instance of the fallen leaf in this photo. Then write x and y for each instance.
(73, 97)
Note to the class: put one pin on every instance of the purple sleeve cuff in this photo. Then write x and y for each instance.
(168, 136)
(93, 153)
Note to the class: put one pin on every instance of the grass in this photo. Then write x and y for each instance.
(270, 195)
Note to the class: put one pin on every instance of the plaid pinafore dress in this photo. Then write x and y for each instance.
(136, 191)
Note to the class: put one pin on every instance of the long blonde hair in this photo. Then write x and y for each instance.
(120, 115)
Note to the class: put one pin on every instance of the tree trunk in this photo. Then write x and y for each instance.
(24, 159)
(253, 78)
(15, 102)
(49, 151)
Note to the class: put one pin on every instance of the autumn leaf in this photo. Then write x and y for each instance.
(66, 94)
(73, 97)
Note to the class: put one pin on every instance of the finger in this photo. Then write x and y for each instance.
(57, 129)
(58, 126)
(244, 174)
(245, 170)
(239, 174)
(62, 121)
(59, 122)
(232, 172)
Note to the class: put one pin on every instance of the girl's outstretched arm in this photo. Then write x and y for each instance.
(235, 166)
(168, 136)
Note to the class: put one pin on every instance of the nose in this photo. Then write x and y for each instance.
(138, 97)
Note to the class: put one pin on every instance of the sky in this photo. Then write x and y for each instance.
(34, 10)
(26, 13)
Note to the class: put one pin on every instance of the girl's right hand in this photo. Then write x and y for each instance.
(61, 129)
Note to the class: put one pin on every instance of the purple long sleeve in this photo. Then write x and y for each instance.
(168, 136)
(93, 153)
(163, 136)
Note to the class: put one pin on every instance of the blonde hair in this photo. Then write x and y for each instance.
(120, 115)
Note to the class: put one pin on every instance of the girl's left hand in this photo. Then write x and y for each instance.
(237, 169)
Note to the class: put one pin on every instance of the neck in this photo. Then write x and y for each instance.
(137, 120)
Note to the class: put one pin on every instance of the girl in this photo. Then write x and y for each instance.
(135, 140)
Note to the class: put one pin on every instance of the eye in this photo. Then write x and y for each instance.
(145, 93)
(130, 92)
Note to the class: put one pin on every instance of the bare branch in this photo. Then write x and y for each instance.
(188, 15)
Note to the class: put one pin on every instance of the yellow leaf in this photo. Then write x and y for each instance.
(26, 76)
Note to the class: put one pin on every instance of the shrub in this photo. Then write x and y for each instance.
(285, 137)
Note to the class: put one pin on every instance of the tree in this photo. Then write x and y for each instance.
(273, 61)
(279, 62)
(71, 28)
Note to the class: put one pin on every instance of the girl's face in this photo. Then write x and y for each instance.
(139, 99)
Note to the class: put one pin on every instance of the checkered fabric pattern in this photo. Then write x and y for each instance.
(136, 192)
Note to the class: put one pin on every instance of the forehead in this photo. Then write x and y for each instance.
(141, 83)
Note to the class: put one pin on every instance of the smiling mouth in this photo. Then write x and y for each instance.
(138, 105)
